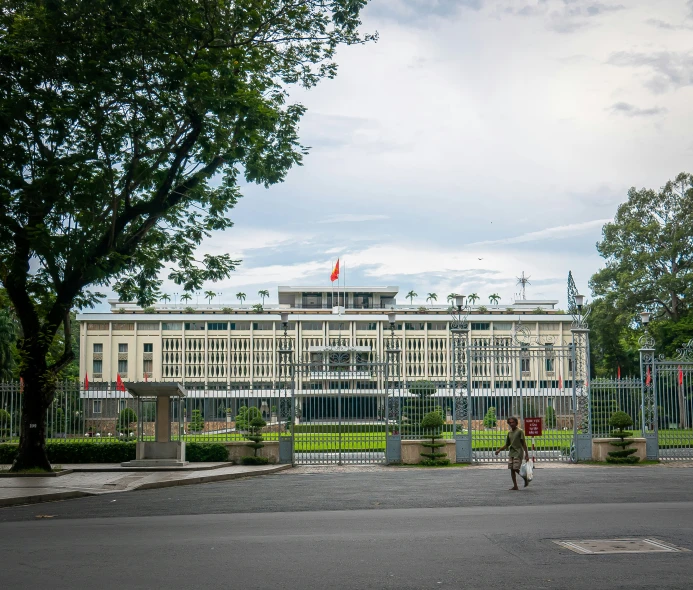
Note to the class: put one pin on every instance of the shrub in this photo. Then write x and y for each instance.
(150, 309)
(112, 452)
(5, 419)
(490, 419)
(189, 309)
(257, 308)
(245, 416)
(252, 460)
(126, 417)
(197, 423)
(206, 452)
(482, 309)
(550, 417)
(624, 455)
(431, 425)
(416, 408)
(227, 310)
(255, 435)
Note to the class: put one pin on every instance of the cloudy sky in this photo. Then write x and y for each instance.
(476, 139)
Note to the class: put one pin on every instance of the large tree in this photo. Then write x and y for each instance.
(115, 115)
(649, 251)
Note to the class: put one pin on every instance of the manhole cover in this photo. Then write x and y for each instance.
(603, 546)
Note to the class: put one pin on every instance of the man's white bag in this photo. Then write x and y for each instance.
(527, 470)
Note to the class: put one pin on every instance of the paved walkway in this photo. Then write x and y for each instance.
(92, 480)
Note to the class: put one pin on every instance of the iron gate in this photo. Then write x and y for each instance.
(340, 404)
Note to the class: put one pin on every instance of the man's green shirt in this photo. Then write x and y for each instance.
(514, 443)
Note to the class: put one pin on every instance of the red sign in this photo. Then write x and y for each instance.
(532, 426)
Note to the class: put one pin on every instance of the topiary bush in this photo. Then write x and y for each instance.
(255, 438)
(126, 417)
(245, 416)
(416, 407)
(619, 421)
(490, 419)
(431, 425)
(197, 423)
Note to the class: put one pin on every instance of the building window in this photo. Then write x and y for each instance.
(550, 359)
(366, 326)
(339, 326)
(97, 327)
(147, 326)
(503, 326)
(171, 326)
(97, 367)
(122, 367)
(363, 300)
(524, 359)
(336, 301)
(437, 326)
(127, 326)
(316, 326)
(387, 302)
(98, 347)
(217, 325)
(122, 347)
(96, 406)
(194, 325)
(240, 325)
(570, 366)
(481, 325)
(414, 325)
(121, 405)
(262, 325)
(311, 300)
(148, 347)
(289, 326)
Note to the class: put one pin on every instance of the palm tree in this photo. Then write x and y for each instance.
(431, 298)
(209, 295)
(451, 297)
(240, 297)
(186, 297)
(263, 293)
(473, 298)
(165, 298)
(411, 296)
(494, 299)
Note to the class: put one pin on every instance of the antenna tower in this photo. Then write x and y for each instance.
(523, 281)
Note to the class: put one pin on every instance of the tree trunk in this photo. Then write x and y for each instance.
(32, 441)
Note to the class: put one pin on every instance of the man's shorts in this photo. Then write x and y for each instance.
(514, 463)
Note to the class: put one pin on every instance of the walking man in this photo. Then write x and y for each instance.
(516, 445)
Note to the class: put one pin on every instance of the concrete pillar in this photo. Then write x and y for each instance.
(163, 419)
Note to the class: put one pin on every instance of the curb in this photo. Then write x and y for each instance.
(207, 479)
(48, 474)
(39, 498)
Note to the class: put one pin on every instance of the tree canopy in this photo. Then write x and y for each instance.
(126, 127)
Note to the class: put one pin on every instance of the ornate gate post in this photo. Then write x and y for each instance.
(581, 449)
(460, 368)
(393, 407)
(648, 400)
(287, 389)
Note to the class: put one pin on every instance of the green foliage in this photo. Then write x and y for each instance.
(263, 293)
(490, 419)
(8, 337)
(150, 309)
(125, 418)
(112, 452)
(550, 417)
(482, 309)
(257, 308)
(539, 311)
(128, 130)
(423, 388)
(431, 424)
(649, 266)
(245, 416)
(255, 434)
(411, 296)
(189, 309)
(620, 420)
(529, 409)
(5, 419)
(254, 460)
(415, 408)
(197, 423)
(494, 299)
(227, 310)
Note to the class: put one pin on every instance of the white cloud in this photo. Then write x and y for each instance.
(352, 218)
(549, 233)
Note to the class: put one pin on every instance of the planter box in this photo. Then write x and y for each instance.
(238, 449)
(412, 449)
(602, 446)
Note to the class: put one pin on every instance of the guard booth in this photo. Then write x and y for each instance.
(162, 451)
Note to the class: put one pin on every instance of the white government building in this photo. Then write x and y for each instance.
(213, 349)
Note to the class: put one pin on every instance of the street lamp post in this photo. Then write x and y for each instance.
(393, 414)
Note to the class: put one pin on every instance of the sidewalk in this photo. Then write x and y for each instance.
(91, 480)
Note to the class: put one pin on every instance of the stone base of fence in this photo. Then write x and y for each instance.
(602, 446)
(238, 449)
(412, 449)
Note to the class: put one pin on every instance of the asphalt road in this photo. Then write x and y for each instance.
(392, 528)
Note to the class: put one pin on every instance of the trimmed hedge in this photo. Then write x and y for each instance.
(335, 428)
(115, 452)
